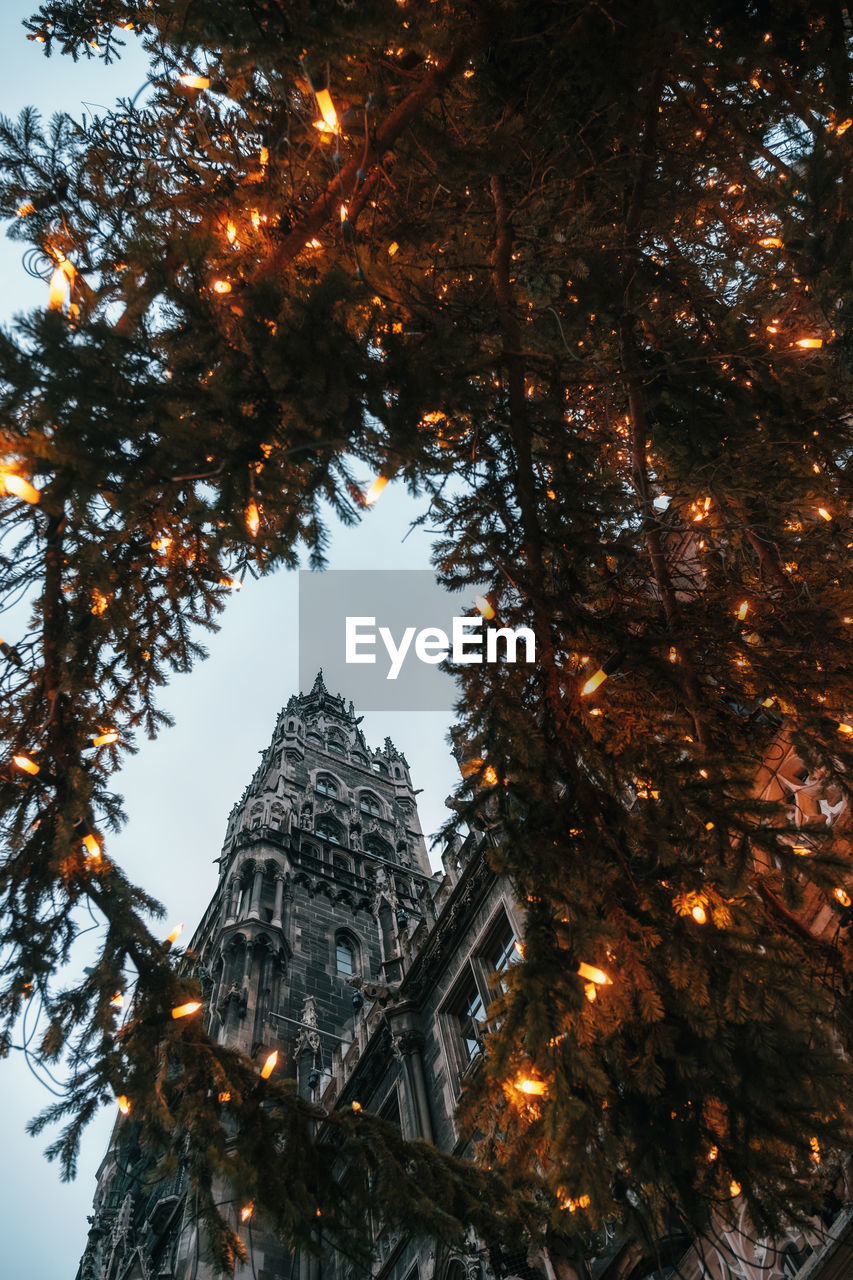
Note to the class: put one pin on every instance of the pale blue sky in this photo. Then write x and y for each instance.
(179, 789)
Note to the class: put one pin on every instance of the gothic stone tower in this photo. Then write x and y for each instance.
(323, 876)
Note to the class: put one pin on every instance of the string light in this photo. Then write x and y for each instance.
(20, 488)
(246, 1212)
(582, 1202)
(329, 122)
(356, 1106)
(823, 513)
(607, 669)
(253, 518)
(533, 1088)
(230, 231)
(61, 284)
(84, 832)
(375, 490)
(713, 1153)
(815, 1150)
(190, 81)
(224, 1096)
(27, 765)
(842, 896)
(843, 127)
(123, 1104)
(734, 1189)
(743, 610)
(771, 242)
(597, 976)
(184, 1010)
(269, 1066)
(485, 608)
(809, 344)
(105, 739)
(221, 286)
(117, 1001)
(176, 932)
(699, 913)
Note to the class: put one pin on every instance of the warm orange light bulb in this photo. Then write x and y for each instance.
(91, 844)
(176, 932)
(269, 1066)
(190, 81)
(123, 1104)
(592, 974)
(224, 1096)
(699, 913)
(26, 764)
(184, 1010)
(253, 518)
(356, 1106)
(221, 286)
(809, 344)
(490, 777)
(20, 488)
(845, 728)
(375, 490)
(246, 1212)
(485, 608)
(593, 683)
(734, 1189)
(230, 231)
(823, 513)
(329, 122)
(117, 1001)
(842, 896)
(743, 610)
(105, 739)
(533, 1088)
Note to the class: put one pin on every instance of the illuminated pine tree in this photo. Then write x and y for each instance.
(596, 270)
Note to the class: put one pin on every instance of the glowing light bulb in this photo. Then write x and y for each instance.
(815, 1149)
(743, 610)
(771, 242)
(809, 344)
(823, 513)
(713, 1153)
(734, 1189)
(490, 777)
(230, 231)
(843, 127)
(253, 518)
(329, 122)
(842, 896)
(176, 932)
(123, 1104)
(375, 490)
(24, 210)
(184, 1010)
(221, 286)
(699, 913)
(224, 1096)
(269, 1066)
(61, 282)
(485, 608)
(344, 214)
(26, 764)
(590, 992)
(105, 739)
(598, 976)
(594, 682)
(845, 728)
(246, 1212)
(357, 1107)
(190, 81)
(533, 1088)
(20, 488)
(393, 248)
(117, 1001)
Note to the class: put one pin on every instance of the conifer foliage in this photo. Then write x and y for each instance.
(591, 261)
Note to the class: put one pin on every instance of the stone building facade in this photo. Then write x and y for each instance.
(330, 939)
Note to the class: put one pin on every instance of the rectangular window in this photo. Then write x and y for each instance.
(467, 1016)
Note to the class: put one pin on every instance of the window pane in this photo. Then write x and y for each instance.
(345, 958)
(472, 1015)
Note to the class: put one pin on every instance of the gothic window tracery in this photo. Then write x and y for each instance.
(368, 803)
(326, 785)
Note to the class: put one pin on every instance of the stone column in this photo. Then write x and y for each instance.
(410, 1045)
(257, 885)
(279, 898)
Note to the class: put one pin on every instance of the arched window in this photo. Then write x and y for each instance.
(336, 745)
(369, 804)
(326, 785)
(326, 827)
(344, 955)
(378, 767)
(316, 739)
